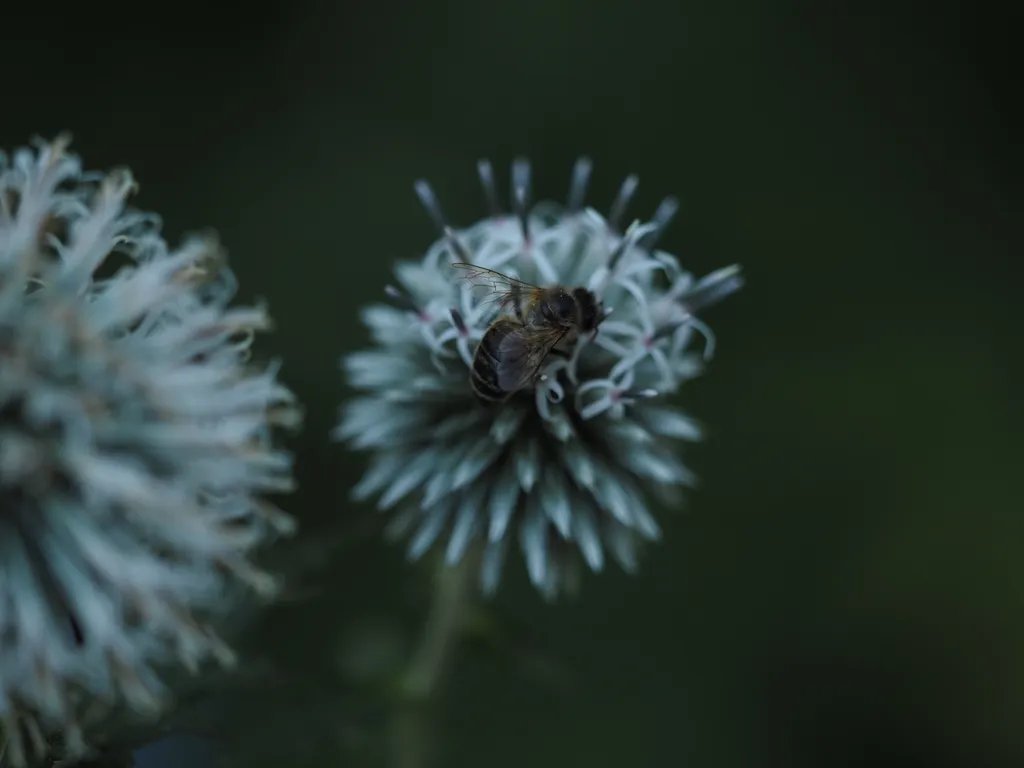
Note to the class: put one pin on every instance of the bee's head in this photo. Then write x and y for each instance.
(589, 309)
(561, 308)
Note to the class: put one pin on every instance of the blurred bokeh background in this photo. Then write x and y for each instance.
(846, 588)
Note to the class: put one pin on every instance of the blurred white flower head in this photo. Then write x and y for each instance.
(135, 448)
(569, 466)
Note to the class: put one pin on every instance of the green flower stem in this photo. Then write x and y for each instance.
(454, 591)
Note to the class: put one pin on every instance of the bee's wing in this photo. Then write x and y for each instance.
(489, 285)
(522, 352)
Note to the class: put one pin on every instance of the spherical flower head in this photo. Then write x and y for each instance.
(570, 464)
(134, 449)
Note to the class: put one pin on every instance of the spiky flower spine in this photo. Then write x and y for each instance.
(135, 448)
(569, 467)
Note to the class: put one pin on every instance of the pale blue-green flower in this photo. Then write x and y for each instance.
(135, 449)
(570, 468)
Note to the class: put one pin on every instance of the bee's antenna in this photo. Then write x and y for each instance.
(578, 184)
(430, 202)
(486, 173)
(622, 199)
(521, 193)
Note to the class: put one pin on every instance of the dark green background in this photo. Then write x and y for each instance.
(846, 587)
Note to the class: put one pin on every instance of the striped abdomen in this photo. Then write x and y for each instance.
(483, 376)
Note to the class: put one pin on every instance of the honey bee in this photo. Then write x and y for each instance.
(543, 321)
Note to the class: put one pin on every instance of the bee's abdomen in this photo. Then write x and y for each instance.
(484, 373)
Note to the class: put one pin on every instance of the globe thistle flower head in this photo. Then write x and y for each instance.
(134, 449)
(569, 466)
